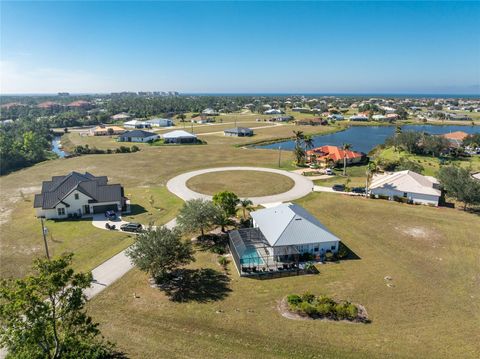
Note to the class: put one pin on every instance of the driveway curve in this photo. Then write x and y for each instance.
(302, 185)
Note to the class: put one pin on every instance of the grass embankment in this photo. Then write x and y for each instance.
(143, 174)
(428, 310)
(242, 183)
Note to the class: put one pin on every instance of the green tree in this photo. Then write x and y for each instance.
(227, 201)
(245, 205)
(43, 315)
(459, 184)
(160, 251)
(299, 151)
(196, 215)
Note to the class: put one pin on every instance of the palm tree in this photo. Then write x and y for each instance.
(398, 131)
(345, 147)
(308, 142)
(299, 152)
(299, 137)
(245, 205)
(372, 168)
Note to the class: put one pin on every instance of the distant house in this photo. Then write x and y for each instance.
(379, 117)
(358, 118)
(407, 184)
(138, 136)
(121, 116)
(179, 136)
(80, 104)
(333, 155)
(49, 105)
(458, 117)
(103, 130)
(78, 194)
(137, 124)
(209, 112)
(273, 111)
(316, 121)
(280, 119)
(279, 237)
(238, 132)
(336, 117)
(455, 138)
(202, 119)
(160, 122)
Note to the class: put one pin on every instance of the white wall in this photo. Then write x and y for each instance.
(415, 197)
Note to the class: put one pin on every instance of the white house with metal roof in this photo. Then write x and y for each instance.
(407, 184)
(291, 225)
(179, 136)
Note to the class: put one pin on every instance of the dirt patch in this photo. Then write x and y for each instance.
(284, 310)
(419, 232)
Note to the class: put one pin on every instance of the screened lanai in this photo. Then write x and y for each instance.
(253, 254)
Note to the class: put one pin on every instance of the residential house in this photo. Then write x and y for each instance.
(358, 118)
(333, 156)
(121, 116)
(104, 130)
(160, 122)
(209, 112)
(138, 136)
(273, 111)
(410, 185)
(179, 136)
(77, 195)
(280, 119)
(280, 236)
(458, 117)
(80, 104)
(336, 117)
(238, 132)
(455, 138)
(137, 124)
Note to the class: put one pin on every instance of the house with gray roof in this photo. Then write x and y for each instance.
(238, 132)
(78, 195)
(279, 237)
(138, 136)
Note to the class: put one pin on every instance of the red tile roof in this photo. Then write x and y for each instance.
(333, 153)
(458, 135)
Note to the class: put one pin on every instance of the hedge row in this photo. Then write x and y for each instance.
(322, 307)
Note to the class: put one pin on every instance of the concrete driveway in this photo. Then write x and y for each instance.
(301, 188)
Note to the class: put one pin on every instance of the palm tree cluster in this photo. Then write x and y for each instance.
(303, 143)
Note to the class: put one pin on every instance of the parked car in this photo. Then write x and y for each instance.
(328, 171)
(338, 187)
(358, 190)
(131, 227)
(111, 215)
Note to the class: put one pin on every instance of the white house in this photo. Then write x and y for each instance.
(136, 124)
(138, 136)
(179, 136)
(291, 225)
(407, 184)
(160, 122)
(273, 111)
(77, 195)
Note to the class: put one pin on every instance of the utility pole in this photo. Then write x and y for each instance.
(279, 155)
(44, 233)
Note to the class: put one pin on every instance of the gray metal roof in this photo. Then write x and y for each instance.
(138, 134)
(290, 224)
(54, 191)
(239, 130)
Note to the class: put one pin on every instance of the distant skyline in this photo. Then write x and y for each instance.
(240, 47)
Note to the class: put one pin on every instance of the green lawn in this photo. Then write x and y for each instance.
(430, 312)
(242, 183)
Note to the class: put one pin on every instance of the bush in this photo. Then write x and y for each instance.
(223, 261)
(325, 309)
(308, 308)
(308, 297)
(135, 148)
(294, 300)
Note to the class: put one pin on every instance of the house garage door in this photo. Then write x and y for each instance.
(104, 208)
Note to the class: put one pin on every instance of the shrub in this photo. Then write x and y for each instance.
(135, 148)
(308, 308)
(340, 311)
(329, 256)
(308, 297)
(294, 300)
(325, 309)
(223, 261)
(351, 310)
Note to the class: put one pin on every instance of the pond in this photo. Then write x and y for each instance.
(365, 138)
(57, 147)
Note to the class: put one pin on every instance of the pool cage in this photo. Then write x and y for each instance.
(253, 255)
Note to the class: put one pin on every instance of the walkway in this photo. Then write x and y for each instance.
(301, 188)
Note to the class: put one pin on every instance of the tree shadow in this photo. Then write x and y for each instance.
(215, 243)
(199, 285)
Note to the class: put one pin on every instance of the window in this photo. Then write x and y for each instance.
(61, 211)
(405, 194)
(76, 196)
(315, 249)
(333, 247)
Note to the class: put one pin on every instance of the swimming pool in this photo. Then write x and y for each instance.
(251, 257)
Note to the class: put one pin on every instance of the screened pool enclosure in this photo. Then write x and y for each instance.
(253, 255)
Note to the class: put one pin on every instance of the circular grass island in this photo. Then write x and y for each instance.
(244, 183)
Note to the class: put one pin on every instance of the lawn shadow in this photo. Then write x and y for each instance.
(351, 255)
(198, 285)
(215, 243)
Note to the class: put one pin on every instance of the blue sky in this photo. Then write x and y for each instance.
(315, 47)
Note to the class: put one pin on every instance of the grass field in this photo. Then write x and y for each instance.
(242, 183)
(143, 174)
(431, 311)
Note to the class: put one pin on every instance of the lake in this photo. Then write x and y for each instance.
(57, 148)
(365, 138)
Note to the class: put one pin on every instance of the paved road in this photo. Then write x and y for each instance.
(301, 188)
